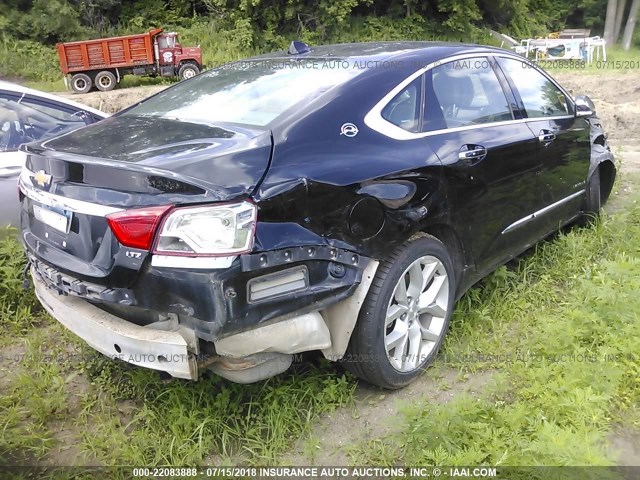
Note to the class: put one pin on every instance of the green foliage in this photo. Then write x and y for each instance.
(48, 21)
(233, 29)
(459, 14)
(19, 309)
(28, 59)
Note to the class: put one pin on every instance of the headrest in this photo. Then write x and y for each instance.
(453, 88)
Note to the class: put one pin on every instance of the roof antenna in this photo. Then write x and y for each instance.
(298, 48)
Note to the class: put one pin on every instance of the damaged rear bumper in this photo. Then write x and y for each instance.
(167, 351)
(169, 346)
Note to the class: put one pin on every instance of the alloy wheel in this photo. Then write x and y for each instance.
(415, 317)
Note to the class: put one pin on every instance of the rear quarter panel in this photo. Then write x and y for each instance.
(367, 193)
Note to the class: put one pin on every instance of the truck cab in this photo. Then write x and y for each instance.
(173, 59)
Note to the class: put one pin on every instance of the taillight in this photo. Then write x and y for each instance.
(210, 230)
(135, 228)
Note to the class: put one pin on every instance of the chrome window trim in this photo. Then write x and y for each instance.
(542, 211)
(373, 119)
(53, 200)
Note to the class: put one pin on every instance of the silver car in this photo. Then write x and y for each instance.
(28, 115)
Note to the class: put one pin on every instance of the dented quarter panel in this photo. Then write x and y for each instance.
(367, 193)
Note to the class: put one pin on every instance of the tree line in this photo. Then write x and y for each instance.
(50, 21)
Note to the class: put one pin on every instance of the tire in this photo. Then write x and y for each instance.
(105, 81)
(593, 201)
(188, 70)
(371, 354)
(81, 83)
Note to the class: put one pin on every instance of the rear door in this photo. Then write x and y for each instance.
(490, 158)
(564, 146)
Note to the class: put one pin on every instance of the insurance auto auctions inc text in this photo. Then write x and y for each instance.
(373, 472)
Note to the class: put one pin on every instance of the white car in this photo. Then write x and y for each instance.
(27, 115)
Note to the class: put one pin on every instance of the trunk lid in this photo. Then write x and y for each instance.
(70, 183)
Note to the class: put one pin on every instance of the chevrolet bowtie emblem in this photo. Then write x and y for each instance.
(42, 179)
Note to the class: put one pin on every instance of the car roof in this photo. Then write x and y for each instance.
(19, 89)
(383, 50)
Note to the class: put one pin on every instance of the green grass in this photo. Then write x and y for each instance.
(130, 416)
(184, 423)
(128, 81)
(19, 310)
(558, 334)
(168, 422)
(32, 398)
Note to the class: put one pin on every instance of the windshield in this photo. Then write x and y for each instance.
(248, 92)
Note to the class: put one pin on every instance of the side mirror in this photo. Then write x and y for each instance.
(584, 106)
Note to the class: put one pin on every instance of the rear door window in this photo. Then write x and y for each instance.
(462, 93)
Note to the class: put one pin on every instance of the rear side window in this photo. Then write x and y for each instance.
(540, 96)
(462, 93)
(404, 109)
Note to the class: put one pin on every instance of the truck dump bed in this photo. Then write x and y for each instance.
(104, 53)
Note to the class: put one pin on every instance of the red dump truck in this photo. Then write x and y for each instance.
(103, 62)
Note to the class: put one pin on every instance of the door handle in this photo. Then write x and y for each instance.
(471, 154)
(546, 136)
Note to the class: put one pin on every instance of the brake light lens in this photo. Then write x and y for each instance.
(211, 230)
(135, 228)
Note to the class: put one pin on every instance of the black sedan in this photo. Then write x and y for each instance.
(338, 198)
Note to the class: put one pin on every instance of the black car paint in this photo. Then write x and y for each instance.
(562, 160)
(314, 188)
(227, 161)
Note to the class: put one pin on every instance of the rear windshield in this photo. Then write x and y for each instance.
(248, 92)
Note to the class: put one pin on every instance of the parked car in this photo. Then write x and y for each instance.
(338, 198)
(27, 115)
(102, 62)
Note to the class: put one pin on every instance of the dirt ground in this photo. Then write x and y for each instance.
(115, 100)
(617, 99)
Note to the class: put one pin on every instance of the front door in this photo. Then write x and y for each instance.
(491, 162)
(563, 139)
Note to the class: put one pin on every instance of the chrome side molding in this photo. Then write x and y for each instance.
(542, 211)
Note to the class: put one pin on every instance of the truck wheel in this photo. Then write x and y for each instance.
(188, 70)
(405, 315)
(105, 81)
(81, 83)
